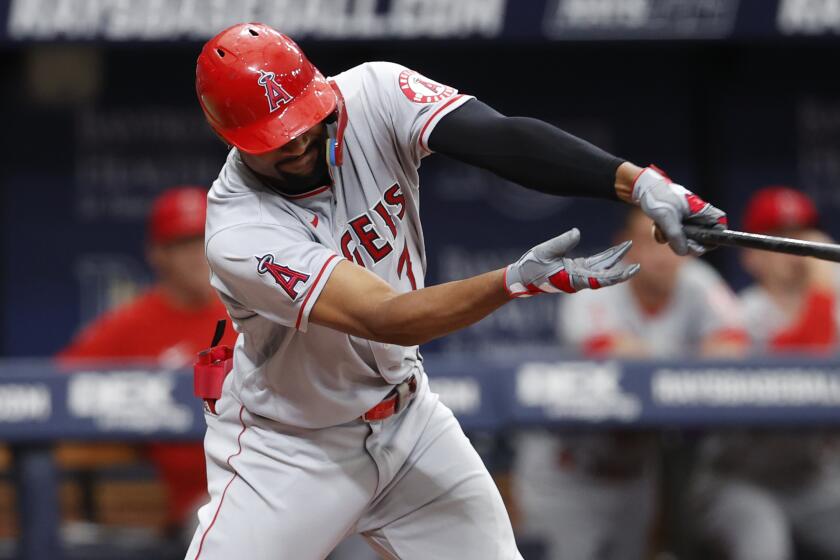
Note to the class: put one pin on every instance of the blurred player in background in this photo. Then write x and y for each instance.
(761, 495)
(591, 496)
(673, 306)
(168, 325)
(793, 304)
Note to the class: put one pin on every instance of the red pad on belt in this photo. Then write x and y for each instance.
(391, 404)
(383, 410)
(210, 369)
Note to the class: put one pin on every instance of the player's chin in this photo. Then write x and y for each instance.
(300, 166)
(308, 175)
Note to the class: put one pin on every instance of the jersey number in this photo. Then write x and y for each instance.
(405, 263)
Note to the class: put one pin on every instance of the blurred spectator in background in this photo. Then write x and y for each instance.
(592, 496)
(793, 304)
(166, 325)
(772, 495)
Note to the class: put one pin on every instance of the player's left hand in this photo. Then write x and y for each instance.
(546, 269)
(670, 205)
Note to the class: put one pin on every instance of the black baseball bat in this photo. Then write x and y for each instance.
(731, 238)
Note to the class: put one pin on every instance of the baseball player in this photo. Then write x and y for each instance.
(326, 425)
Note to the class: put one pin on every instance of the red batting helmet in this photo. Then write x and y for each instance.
(257, 88)
(775, 209)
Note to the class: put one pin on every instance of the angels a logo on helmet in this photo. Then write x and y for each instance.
(274, 92)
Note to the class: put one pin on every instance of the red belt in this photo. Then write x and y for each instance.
(394, 402)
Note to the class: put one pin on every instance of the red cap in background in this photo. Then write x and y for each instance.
(178, 213)
(774, 209)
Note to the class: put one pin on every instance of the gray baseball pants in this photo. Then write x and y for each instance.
(411, 485)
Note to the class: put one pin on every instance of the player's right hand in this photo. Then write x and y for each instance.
(546, 269)
(669, 205)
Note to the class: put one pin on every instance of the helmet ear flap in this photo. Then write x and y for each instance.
(332, 143)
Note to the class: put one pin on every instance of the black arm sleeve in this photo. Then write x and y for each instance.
(528, 151)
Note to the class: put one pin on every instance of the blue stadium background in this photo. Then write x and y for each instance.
(716, 93)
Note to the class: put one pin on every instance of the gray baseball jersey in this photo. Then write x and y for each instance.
(270, 255)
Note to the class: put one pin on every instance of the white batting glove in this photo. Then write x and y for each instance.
(545, 269)
(670, 205)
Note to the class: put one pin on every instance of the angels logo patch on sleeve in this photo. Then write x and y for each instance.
(288, 279)
(419, 89)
